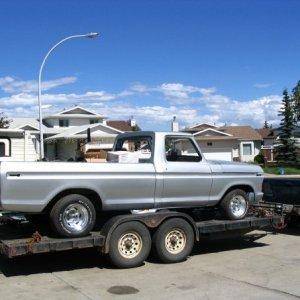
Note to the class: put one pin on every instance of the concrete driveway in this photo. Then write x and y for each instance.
(268, 268)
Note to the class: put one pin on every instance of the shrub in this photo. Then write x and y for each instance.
(259, 158)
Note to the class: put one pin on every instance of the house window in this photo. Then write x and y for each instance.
(94, 121)
(181, 149)
(247, 149)
(63, 123)
(209, 144)
(4, 147)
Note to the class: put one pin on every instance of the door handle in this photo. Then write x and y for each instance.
(14, 175)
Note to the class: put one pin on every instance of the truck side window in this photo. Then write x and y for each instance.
(141, 146)
(181, 149)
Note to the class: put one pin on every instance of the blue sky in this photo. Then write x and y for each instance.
(203, 61)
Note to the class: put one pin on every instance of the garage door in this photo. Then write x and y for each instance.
(217, 154)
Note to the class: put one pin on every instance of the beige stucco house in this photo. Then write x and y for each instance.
(64, 134)
(230, 143)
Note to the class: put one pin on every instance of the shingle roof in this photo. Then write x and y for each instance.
(199, 127)
(20, 122)
(97, 129)
(214, 138)
(75, 112)
(242, 132)
(120, 125)
(266, 133)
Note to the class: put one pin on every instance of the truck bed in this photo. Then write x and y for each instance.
(22, 239)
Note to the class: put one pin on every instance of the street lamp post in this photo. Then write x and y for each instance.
(87, 35)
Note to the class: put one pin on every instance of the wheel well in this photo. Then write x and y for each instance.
(90, 194)
(244, 187)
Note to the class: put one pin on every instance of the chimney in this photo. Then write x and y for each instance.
(132, 122)
(175, 125)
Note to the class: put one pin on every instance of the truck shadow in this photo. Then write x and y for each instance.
(222, 245)
(290, 230)
(91, 258)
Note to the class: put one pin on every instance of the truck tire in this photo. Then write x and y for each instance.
(129, 245)
(235, 204)
(73, 216)
(173, 241)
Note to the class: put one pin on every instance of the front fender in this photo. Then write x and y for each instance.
(221, 186)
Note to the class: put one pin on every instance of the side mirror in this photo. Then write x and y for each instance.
(89, 138)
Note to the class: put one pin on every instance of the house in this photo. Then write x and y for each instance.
(64, 135)
(20, 141)
(238, 143)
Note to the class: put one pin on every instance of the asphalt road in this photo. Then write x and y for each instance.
(268, 268)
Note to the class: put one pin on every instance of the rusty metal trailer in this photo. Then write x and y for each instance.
(20, 239)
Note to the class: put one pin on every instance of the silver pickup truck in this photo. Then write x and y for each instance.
(170, 173)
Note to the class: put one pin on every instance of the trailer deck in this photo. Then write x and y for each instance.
(22, 239)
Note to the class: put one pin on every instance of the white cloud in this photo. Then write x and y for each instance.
(175, 93)
(27, 99)
(191, 104)
(252, 112)
(262, 85)
(156, 113)
(180, 93)
(140, 88)
(13, 85)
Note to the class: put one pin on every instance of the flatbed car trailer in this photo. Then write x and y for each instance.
(128, 238)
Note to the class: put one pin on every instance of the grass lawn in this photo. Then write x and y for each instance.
(287, 170)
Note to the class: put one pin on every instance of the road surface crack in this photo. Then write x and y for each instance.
(252, 284)
(72, 286)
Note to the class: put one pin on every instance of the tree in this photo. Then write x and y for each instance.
(136, 128)
(4, 122)
(266, 124)
(296, 100)
(286, 152)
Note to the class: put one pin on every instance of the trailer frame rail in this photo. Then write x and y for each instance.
(13, 246)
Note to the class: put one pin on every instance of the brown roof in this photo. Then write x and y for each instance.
(199, 127)
(266, 133)
(242, 132)
(214, 138)
(120, 125)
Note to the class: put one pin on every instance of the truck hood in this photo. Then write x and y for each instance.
(234, 167)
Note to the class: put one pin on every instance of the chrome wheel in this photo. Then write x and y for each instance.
(130, 245)
(75, 217)
(238, 206)
(175, 241)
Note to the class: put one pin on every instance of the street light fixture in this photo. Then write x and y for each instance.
(90, 35)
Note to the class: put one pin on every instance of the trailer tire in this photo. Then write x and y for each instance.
(174, 240)
(129, 245)
(73, 216)
(235, 204)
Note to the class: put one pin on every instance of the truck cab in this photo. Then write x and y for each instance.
(183, 176)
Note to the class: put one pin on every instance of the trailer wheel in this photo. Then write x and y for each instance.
(235, 204)
(129, 245)
(173, 241)
(73, 216)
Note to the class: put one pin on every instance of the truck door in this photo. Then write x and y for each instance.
(187, 176)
